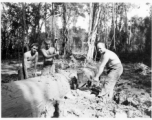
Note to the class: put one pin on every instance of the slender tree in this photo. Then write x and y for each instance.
(113, 21)
(65, 39)
(94, 20)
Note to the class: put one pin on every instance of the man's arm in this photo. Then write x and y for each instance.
(47, 56)
(24, 66)
(104, 61)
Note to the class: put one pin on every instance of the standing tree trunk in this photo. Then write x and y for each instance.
(113, 15)
(39, 25)
(20, 71)
(23, 6)
(116, 11)
(126, 22)
(120, 20)
(130, 34)
(107, 27)
(45, 21)
(65, 39)
(116, 24)
(94, 20)
(52, 35)
(18, 52)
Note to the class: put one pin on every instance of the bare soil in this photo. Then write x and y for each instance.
(132, 97)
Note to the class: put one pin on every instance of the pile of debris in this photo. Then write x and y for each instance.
(142, 69)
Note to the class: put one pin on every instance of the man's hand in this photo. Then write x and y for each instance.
(96, 79)
(57, 52)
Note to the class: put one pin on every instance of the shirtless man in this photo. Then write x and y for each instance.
(114, 66)
(29, 64)
(49, 53)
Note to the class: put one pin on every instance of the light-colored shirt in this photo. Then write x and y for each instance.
(29, 63)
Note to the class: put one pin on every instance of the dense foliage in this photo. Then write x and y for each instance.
(129, 38)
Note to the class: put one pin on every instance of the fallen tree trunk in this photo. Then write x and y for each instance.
(82, 74)
(39, 96)
(35, 97)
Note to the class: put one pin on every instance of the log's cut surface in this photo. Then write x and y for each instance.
(35, 97)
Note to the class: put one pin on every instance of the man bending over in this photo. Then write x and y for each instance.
(114, 66)
(29, 63)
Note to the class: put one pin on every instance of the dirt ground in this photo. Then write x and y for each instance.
(132, 97)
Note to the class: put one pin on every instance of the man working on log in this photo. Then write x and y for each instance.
(115, 69)
(29, 63)
(49, 53)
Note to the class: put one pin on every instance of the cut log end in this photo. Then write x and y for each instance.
(35, 97)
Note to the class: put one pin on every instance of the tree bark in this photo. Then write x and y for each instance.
(45, 21)
(23, 7)
(65, 39)
(120, 20)
(114, 41)
(93, 30)
(34, 97)
(52, 36)
(130, 34)
(126, 22)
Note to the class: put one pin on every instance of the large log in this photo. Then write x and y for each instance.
(82, 75)
(35, 97)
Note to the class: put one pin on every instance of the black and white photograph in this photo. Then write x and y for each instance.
(76, 59)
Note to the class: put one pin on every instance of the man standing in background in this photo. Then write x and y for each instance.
(49, 53)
